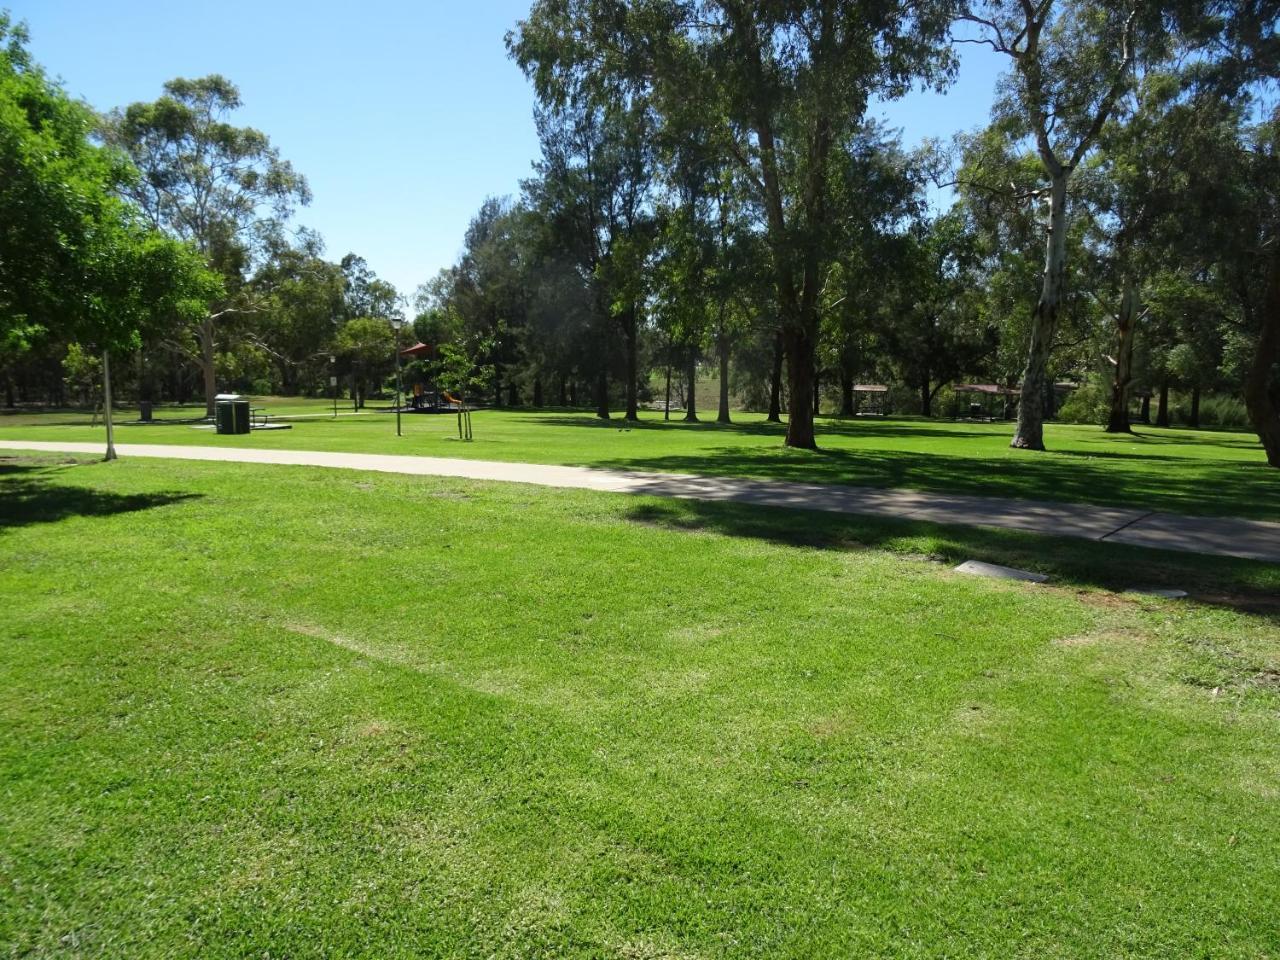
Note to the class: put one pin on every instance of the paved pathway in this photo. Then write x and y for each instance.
(1216, 536)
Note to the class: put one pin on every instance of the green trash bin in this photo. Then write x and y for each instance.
(231, 414)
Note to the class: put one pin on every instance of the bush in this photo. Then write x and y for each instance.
(1216, 410)
(1090, 403)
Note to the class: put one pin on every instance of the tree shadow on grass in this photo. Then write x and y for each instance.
(1243, 585)
(27, 497)
(1200, 487)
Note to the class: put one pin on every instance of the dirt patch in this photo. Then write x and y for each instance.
(1262, 604)
(1099, 638)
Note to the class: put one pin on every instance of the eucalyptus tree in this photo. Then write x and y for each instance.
(1071, 60)
(300, 300)
(931, 330)
(784, 83)
(597, 173)
(877, 195)
(220, 187)
(490, 288)
(363, 293)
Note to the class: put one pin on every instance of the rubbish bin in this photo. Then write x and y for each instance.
(231, 413)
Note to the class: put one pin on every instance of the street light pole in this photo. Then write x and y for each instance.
(397, 322)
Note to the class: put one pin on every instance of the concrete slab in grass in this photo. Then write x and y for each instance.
(978, 568)
(1157, 592)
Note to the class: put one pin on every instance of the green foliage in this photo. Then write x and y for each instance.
(75, 260)
(1089, 403)
(1216, 410)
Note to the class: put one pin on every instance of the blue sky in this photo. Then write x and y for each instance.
(403, 116)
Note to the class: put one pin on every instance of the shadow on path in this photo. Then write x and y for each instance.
(1193, 488)
(1243, 585)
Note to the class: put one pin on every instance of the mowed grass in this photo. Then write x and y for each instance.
(1176, 470)
(254, 711)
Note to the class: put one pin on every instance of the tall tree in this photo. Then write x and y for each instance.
(784, 83)
(76, 261)
(1072, 60)
(203, 180)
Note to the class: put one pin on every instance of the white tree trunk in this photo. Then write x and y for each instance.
(207, 365)
(106, 405)
(1126, 328)
(1044, 322)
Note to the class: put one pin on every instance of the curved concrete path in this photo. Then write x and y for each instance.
(1214, 536)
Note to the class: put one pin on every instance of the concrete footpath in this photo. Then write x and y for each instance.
(1213, 536)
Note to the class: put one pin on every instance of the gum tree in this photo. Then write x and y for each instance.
(784, 84)
(219, 187)
(1071, 62)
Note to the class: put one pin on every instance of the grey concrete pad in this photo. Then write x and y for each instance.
(1223, 536)
(978, 568)
(1252, 539)
(1157, 592)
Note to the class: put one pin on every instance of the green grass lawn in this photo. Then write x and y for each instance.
(286, 712)
(1177, 470)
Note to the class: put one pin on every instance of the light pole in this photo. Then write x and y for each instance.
(397, 321)
(333, 382)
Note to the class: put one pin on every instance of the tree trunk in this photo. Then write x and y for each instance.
(106, 406)
(563, 390)
(1258, 397)
(1194, 421)
(1162, 410)
(1029, 434)
(497, 385)
(846, 391)
(1126, 328)
(775, 382)
(630, 334)
(602, 394)
(666, 410)
(817, 392)
(691, 395)
(513, 394)
(1145, 412)
(537, 391)
(723, 347)
(926, 398)
(207, 367)
(799, 348)
(573, 392)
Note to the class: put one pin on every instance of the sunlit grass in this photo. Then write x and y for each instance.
(252, 711)
(1176, 470)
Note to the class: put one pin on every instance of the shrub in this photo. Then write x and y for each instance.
(1216, 410)
(1089, 403)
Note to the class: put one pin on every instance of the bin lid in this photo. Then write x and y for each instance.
(228, 396)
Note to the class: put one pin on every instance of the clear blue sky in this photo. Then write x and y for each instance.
(402, 115)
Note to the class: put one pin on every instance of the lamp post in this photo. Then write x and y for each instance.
(333, 382)
(397, 321)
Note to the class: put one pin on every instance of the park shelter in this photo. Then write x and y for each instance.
(985, 401)
(875, 397)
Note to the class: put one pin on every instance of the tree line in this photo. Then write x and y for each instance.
(713, 193)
